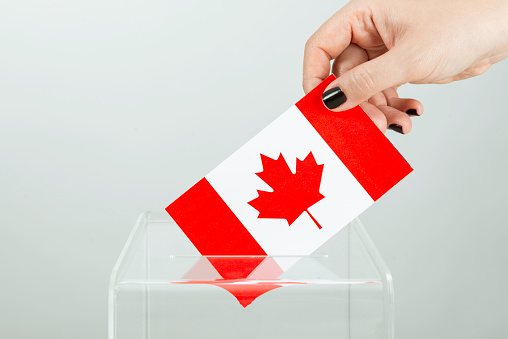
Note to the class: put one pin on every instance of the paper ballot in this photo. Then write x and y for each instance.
(291, 187)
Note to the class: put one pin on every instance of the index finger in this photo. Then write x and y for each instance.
(327, 43)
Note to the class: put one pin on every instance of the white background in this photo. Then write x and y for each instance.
(111, 108)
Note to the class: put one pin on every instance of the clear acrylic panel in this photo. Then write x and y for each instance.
(162, 288)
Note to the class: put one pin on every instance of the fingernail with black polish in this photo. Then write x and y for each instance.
(396, 128)
(334, 97)
(412, 112)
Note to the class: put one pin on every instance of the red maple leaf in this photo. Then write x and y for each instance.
(292, 194)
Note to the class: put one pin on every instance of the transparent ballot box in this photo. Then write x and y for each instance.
(162, 288)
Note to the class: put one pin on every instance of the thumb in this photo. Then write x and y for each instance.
(363, 81)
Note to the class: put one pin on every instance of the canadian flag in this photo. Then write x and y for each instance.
(292, 186)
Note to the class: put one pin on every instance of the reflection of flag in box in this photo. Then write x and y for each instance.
(292, 186)
(246, 278)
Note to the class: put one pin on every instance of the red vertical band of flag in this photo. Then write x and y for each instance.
(358, 143)
(210, 224)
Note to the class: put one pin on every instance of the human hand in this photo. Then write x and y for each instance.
(378, 45)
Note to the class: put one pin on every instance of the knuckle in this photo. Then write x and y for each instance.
(363, 79)
(477, 69)
(310, 42)
(380, 121)
(307, 43)
(422, 66)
